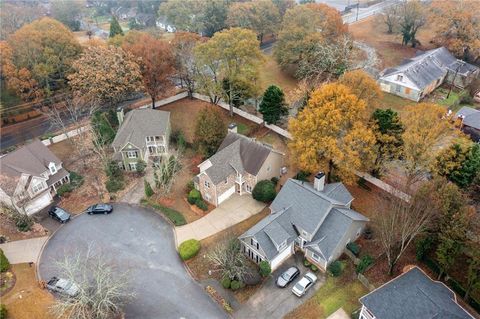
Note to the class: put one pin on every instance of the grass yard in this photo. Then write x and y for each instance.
(27, 299)
(272, 74)
(394, 102)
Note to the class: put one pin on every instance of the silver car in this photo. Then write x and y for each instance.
(287, 277)
(63, 286)
(304, 284)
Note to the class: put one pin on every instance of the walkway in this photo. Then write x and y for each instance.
(137, 192)
(233, 211)
(23, 251)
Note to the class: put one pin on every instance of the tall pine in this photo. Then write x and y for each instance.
(273, 105)
(115, 27)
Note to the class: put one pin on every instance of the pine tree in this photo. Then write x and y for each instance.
(273, 105)
(148, 188)
(115, 27)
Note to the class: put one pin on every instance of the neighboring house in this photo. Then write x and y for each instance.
(238, 165)
(417, 77)
(412, 295)
(316, 220)
(470, 122)
(30, 177)
(143, 134)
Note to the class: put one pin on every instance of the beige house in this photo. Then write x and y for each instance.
(238, 165)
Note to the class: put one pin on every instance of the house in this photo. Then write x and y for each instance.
(238, 165)
(143, 134)
(470, 122)
(417, 77)
(314, 219)
(30, 177)
(412, 295)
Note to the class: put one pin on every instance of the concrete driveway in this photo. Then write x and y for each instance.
(23, 251)
(274, 303)
(232, 211)
(141, 242)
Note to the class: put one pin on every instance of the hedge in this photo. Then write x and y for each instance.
(365, 262)
(335, 268)
(354, 248)
(189, 249)
(175, 217)
(194, 196)
(265, 268)
(201, 204)
(264, 191)
(4, 264)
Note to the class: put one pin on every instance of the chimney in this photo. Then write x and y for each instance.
(120, 115)
(232, 128)
(319, 182)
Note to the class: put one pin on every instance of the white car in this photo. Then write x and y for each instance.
(62, 286)
(304, 284)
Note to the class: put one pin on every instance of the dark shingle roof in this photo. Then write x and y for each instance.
(414, 295)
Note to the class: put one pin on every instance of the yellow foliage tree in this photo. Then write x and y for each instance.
(331, 132)
(363, 86)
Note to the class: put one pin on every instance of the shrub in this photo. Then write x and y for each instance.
(76, 180)
(114, 184)
(264, 191)
(235, 285)
(354, 248)
(466, 99)
(148, 188)
(314, 268)
(189, 187)
(175, 217)
(336, 268)
(23, 222)
(140, 167)
(4, 264)
(306, 263)
(193, 196)
(189, 249)
(265, 269)
(422, 247)
(201, 204)
(3, 311)
(113, 170)
(65, 189)
(364, 263)
(302, 176)
(226, 282)
(274, 180)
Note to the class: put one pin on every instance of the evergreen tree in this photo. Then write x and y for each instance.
(273, 105)
(115, 27)
(459, 164)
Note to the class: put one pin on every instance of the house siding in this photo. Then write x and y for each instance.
(224, 186)
(251, 252)
(271, 167)
(208, 193)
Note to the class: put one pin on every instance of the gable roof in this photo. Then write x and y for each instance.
(471, 116)
(31, 159)
(237, 153)
(140, 123)
(414, 295)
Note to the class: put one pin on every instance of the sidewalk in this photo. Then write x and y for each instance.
(138, 191)
(23, 251)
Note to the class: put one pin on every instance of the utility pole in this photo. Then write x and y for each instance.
(358, 6)
(460, 64)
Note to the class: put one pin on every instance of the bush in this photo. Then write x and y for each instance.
(336, 268)
(3, 311)
(189, 187)
(422, 247)
(235, 285)
(148, 188)
(193, 196)
(114, 184)
(364, 263)
(113, 170)
(175, 217)
(354, 248)
(76, 180)
(23, 222)
(201, 204)
(189, 249)
(264, 191)
(140, 167)
(4, 264)
(306, 263)
(466, 99)
(302, 176)
(314, 268)
(274, 180)
(265, 269)
(226, 282)
(65, 189)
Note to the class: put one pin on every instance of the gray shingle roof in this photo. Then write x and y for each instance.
(471, 116)
(339, 192)
(414, 295)
(140, 123)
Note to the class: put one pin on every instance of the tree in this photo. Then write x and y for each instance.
(331, 132)
(106, 74)
(388, 132)
(42, 54)
(363, 86)
(411, 18)
(214, 16)
(210, 130)
(184, 15)
(105, 125)
(103, 291)
(228, 258)
(264, 191)
(232, 54)
(261, 16)
(68, 12)
(473, 273)
(283, 6)
(425, 127)
(14, 15)
(272, 106)
(185, 64)
(115, 28)
(148, 188)
(456, 27)
(390, 17)
(156, 61)
(167, 172)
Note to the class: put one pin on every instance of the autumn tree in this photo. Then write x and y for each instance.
(331, 132)
(412, 17)
(261, 16)
(363, 86)
(283, 6)
(210, 130)
(156, 61)
(184, 15)
(14, 15)
(42, 54)
(456, 27)
(389, 16)
(425, 126)
(185, 64)
(272, 106)
(214, 16)
(68, 12)
(115, 28)
(231, 54)
(388, 131)
(106, 74)
(473, 272)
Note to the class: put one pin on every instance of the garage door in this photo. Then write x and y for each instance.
(281, 257)
(38, 203)
(226, 195)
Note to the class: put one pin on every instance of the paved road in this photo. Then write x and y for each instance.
(366, 12)
(140, 241)
(23, 251)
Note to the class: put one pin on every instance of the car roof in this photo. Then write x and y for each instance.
(311, 276)
(303, 282)
(291, 270)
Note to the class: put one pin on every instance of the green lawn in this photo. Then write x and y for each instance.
(394, 102)
(243, 129)
(272, 74)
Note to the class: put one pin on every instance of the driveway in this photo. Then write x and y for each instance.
(139, 241)
(232, 211)
(274, 303)
(23, 251)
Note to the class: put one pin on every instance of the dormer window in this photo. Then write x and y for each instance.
(400, 78)
(52, 168)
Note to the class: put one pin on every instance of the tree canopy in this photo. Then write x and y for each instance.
(210, 130)
(185, 64)
(363, 86)
(272, 106)
(68, 12)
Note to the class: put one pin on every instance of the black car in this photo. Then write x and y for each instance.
(287, 277)
(99, 209)
(59, 214)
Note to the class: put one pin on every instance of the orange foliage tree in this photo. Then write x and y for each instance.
(363, 86)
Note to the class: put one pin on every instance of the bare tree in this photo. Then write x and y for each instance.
(103, 291)
(167, 172)
(228, 258)
(411, 18)
(389, 16)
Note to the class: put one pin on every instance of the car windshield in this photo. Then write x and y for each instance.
(286, 276)
(61, 213)
(298, 287)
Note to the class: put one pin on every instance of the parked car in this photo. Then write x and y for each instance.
(287, 277)
(59, 214)
(304, 284)
(63, 286)
(99, 209)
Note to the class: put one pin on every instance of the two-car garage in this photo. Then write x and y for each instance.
(229, 192)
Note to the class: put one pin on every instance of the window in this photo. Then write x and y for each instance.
(37, 187)
(254, 243)
(316, 257)
(150, 139)
(268, 168)
(304, 233)
(400, 78)
(282, 245)
(52, 168)
(207, 184)
(248, 188)
(133, 166)
(398, 88)
(132, 154)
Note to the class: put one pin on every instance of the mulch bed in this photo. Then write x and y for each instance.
(7, 282)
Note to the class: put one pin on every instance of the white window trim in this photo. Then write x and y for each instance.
(134, 166)
(36, 189)
(52, 165)
(207, 184)
(132, 154)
